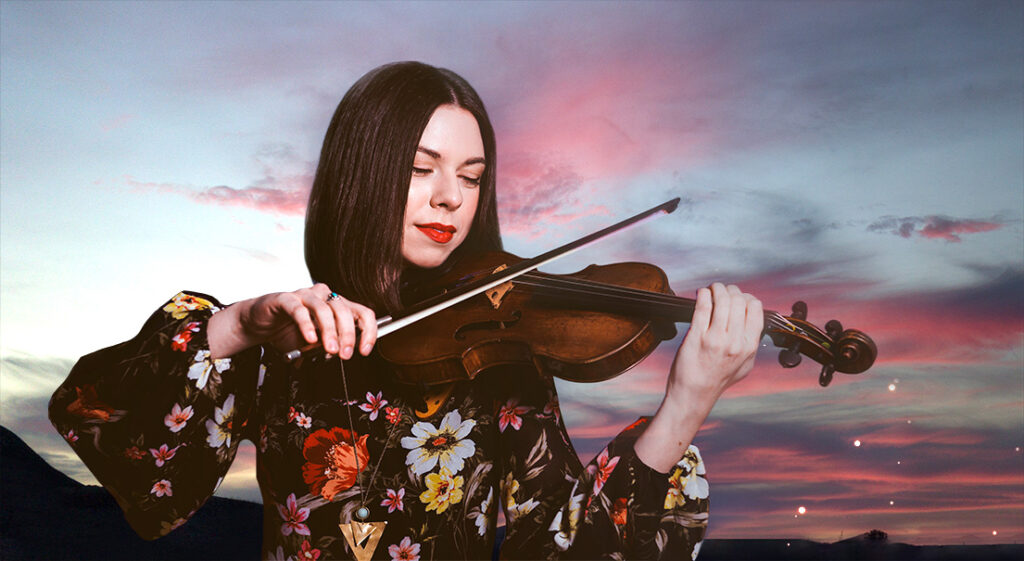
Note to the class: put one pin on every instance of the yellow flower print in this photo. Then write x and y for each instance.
(443, 490)
(182, 304)
(514, 509)
(686, 480)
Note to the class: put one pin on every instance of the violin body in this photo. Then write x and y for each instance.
(570, 334)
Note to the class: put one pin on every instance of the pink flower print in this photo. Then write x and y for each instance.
(176, 419)
(509, 414)
(303, 421)
(604, 469)
(293, 517)
(71, 436)
(161, 488)
(552, 409)
(394, 500)
(308, 553)
(393, 415)
(405, 551)
(373, 404)
(163, 454)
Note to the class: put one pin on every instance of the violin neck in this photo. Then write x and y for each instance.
(618, 299)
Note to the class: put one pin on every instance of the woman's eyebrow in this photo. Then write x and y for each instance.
(437, 156)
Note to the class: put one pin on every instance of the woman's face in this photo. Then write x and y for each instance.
(445, 187)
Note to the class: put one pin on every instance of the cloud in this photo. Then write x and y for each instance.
(283, 188)
(933, 227)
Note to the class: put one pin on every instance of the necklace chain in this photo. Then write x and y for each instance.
(352, 434)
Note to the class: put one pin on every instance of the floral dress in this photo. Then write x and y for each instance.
(158, 422)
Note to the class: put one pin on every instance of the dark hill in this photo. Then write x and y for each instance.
(45, 514)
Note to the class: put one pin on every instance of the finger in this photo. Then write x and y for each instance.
(367, 321)
(737, 311)
(719, 308)
(324, 316)
(293, 306)
(755, 318)
(346, 326)
(701, 311)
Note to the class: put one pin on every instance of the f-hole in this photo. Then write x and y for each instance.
(493, 325)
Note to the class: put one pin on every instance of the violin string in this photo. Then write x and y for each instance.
(633, 295)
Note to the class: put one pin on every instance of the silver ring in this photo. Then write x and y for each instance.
(333, 296)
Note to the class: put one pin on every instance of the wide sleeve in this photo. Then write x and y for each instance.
(155, 419)
(615, 507)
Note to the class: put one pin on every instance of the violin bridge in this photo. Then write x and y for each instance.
(496, 294)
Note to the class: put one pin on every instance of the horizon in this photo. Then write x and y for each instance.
(866, 158)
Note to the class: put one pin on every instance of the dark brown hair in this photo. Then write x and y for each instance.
(357, 203)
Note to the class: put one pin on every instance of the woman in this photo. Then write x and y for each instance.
(405, 185)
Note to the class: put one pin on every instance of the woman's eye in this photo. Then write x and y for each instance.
(420, 171)
(475, 181)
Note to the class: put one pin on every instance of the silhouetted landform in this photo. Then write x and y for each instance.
(45, 514)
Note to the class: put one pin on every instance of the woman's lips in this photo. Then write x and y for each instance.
(440, 233)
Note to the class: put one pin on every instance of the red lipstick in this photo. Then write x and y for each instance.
(440, 233)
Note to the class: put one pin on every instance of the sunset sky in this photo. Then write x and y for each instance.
(865, 157)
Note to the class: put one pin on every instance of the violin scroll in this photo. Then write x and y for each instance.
(848, 351)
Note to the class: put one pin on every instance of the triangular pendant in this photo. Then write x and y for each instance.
(362, 537)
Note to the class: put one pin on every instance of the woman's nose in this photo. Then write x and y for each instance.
(447, 192)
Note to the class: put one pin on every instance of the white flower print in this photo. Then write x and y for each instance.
(203, 366)
(446, 445)
(220, 426)
(482, 515)
(565, 535)
(303, 420)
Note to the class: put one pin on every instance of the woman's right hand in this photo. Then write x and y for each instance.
(291, 320)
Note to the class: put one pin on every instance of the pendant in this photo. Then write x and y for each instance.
(362, 537)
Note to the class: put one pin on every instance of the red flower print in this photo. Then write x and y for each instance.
(393, 415)
(88, 405)
(619, 511)
(307, 553)
(331, 464)
(134, 453)
(163, 454)
(293, 517)
(291, 414)
(180, 341)
(71, 436)
(551, 408)
(394, 500)
(161, 488)
(509, 414)
(176, 419)
(373, 404)
(636, 424)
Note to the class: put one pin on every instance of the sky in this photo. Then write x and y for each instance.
(864, 157)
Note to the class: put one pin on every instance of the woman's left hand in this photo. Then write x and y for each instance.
(716, 352)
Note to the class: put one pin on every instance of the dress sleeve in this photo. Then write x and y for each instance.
(155, 419)
(615, 507)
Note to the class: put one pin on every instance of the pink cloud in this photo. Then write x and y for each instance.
(934, 227)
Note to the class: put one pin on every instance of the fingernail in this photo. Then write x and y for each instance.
(366, 348)
(347, 353)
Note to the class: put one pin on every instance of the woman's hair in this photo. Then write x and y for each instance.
(357, 204)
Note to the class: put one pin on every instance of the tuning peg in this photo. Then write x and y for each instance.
(799, 310)
(789, 358)
(825, 378)
(833, 328)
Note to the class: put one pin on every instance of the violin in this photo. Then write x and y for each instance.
(587, 326)
(495, 309)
